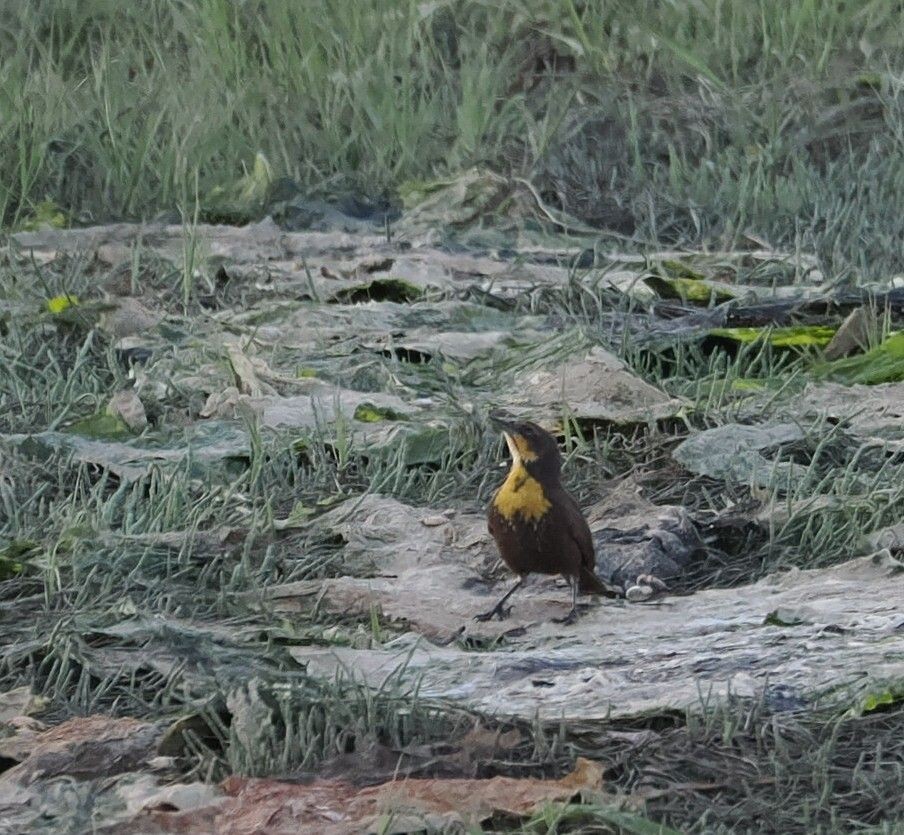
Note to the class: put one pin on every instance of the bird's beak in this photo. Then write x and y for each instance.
(509, 429)
(513, 447)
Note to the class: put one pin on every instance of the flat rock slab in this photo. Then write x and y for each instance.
(734, 452)
(432, 570)
(873, 411)
(325, 265)
(598, 386)
(790, 637)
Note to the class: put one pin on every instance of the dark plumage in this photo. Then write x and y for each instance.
(537, 525)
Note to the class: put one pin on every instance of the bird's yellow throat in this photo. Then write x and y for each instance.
(520, 494)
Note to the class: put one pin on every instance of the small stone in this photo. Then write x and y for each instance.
(223, 404)
(853, 336)
(127, 406)
(653, 581)
(162, 763)
(434, 521)
(635, 594)
(127, 316)
(331, 634)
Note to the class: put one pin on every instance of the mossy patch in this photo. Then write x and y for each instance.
(100, 426)
(369, 413)
(242, 200)
(882, 364)
(884, 697)
(749, 384)
(14, 557)
(45, 215)
(454, 201)
(59, 304)
(695, 290)
(801, 336)
(785, 616)
(671, 268)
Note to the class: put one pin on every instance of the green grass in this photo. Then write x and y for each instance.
(668, 121)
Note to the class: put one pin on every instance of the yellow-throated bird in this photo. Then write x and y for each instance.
(537, 525)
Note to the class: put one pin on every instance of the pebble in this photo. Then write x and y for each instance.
(637, 593)
(127, 406)
(653, 581)
(331, 634)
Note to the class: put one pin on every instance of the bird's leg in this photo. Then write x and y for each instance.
(499, 609)
(572, 616)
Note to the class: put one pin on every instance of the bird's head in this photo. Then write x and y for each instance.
(531, 447)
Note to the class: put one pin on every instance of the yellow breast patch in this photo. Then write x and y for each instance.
(521, 494)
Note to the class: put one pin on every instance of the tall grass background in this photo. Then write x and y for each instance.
(694, 121)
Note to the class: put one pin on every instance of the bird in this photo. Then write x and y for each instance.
(536, 523)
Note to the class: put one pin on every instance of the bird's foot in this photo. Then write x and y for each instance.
(570, 618)
(501, 612)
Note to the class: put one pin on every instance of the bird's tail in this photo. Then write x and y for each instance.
(589, 583)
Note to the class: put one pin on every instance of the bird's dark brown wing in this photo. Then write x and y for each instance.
(579, 532)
